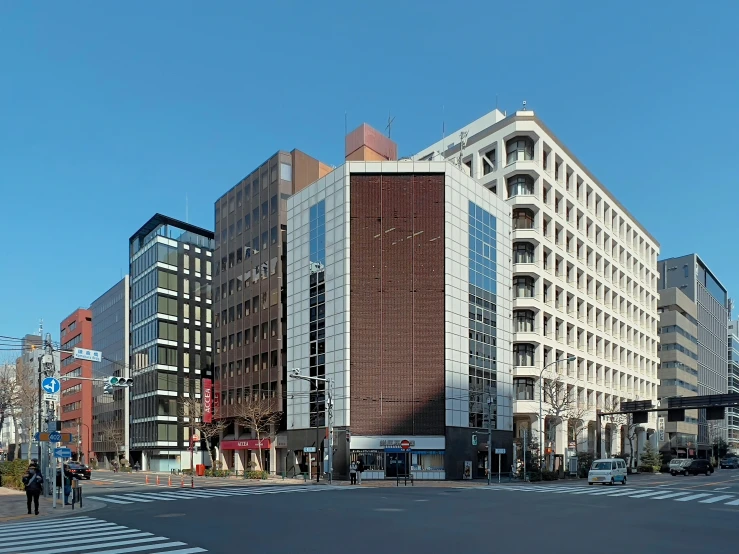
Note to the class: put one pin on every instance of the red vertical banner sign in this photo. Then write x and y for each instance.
(207, 401)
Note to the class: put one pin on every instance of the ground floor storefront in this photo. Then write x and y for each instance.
(461, 453)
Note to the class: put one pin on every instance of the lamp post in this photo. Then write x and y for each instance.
(490, 436)
(541, 395)
(295, 374)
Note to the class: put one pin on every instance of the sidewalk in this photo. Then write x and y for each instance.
(13, 507)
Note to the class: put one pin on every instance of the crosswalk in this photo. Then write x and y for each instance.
(85, 535)
(190, 494)
(626, 492)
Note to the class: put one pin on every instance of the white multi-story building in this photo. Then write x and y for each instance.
(584, 283)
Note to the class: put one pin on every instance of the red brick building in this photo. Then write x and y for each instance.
(76, 397)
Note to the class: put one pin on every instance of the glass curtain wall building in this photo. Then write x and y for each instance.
(733, 413)
(111, 412)
(171, 336)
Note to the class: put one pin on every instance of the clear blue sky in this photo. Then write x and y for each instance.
(111, 113)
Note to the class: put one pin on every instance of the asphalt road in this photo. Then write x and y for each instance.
(432, 519)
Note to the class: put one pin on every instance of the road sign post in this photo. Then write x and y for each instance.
(85, 354)
(63, 453)
(499, 452)
(51, 385)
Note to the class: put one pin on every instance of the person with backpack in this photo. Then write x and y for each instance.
(33, 481)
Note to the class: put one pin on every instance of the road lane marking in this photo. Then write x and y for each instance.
(721, 488)
(716, 499)
(670, 495)
(109, 499)
(645, 494)
(692, 497)
(733, 503)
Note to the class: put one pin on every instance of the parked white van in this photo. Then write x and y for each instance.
(609, 471)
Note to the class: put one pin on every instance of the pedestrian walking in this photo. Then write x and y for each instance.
(360, 469)
(33, 481)
(353, 473)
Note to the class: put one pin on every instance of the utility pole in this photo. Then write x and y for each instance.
(490, 436)
(329, 384)
(79, 442)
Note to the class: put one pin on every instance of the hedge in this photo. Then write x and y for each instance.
(13, 472)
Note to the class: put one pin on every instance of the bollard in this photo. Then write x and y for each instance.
(157, 480)
(182, 482)
(169, 481)
(147, 479)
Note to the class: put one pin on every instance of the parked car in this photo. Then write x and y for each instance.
(730, 463)
(677, 465)
(80, 471)
(609, 471)
(698, 466)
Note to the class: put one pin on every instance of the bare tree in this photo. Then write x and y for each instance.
(7, 392)
(561, 406)
(260, 415)
(610, 411)
(111, 432)
(25, 400)
(192, 408)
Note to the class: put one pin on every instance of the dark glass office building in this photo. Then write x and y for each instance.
(111, 412)
(171, 336)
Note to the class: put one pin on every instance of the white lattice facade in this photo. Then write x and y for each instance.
(584, 277)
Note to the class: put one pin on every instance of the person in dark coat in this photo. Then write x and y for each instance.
(33, 481)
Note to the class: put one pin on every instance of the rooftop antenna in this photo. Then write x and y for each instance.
(390, 120)
(524, 105)
(443, 130)
(462, 144)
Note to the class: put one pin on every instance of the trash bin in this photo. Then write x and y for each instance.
(200, 470)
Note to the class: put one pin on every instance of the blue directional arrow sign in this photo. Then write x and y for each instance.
(62, 453)
(51, 385)
(55, 437)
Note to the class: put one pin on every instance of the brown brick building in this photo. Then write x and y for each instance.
(399, 294)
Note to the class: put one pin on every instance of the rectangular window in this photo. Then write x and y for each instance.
(273, 235)
(246, 307)
(265, 209)
(238, 339)
(264, 240)
(273, 204)
(186, 261)
(286, 172)
(247, 222)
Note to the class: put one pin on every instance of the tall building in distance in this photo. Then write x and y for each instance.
(733, 413)
(249, 303)
(76, 394)
(691, 275)
(678, 371)
(111, 412)
(171, 336)
(399, 293)
(584, 283)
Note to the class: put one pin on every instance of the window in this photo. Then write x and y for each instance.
(523, 218)
(286, 172)
(523, 354)
(264, 210)
(523, 321)
(523, 253)
(519, 149)
(273, 204)
(238, 199)
(523, 287)
(273, 235)
(247, 222)
(520, 185)
(523, 389)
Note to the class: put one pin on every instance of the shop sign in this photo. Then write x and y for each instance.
(207, 401)
(249, 444)
(396, 443)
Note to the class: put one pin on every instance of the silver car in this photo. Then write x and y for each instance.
(677, 466)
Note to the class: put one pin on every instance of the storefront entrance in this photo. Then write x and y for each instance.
(396, 464)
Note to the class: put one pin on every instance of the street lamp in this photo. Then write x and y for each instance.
(295, 374)
(541, 395)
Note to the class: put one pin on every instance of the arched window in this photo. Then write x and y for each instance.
(523, 321)
(523, 253)
(523, 218)
(519, 149)
(523, 388)
(523, 287)
(523, 354)
(520, 185)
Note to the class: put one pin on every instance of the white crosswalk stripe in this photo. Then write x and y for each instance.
(711, 497)
(85, 535)
(189, 494)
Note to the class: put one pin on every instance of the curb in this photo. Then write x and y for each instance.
(88, 506)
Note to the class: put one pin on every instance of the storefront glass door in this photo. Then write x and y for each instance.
(396, 464)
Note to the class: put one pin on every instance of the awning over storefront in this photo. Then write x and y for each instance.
(248, 444)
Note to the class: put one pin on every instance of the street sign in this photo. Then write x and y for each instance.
(661, 429)
(51, 385)
(62, 437)
(55, 437)
(405, 444)
(474, 440)
(309, 449)
(85, 354)
(500, 450)
(50, 397)
(62, 453)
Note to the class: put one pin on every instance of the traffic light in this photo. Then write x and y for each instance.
(119, 382)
